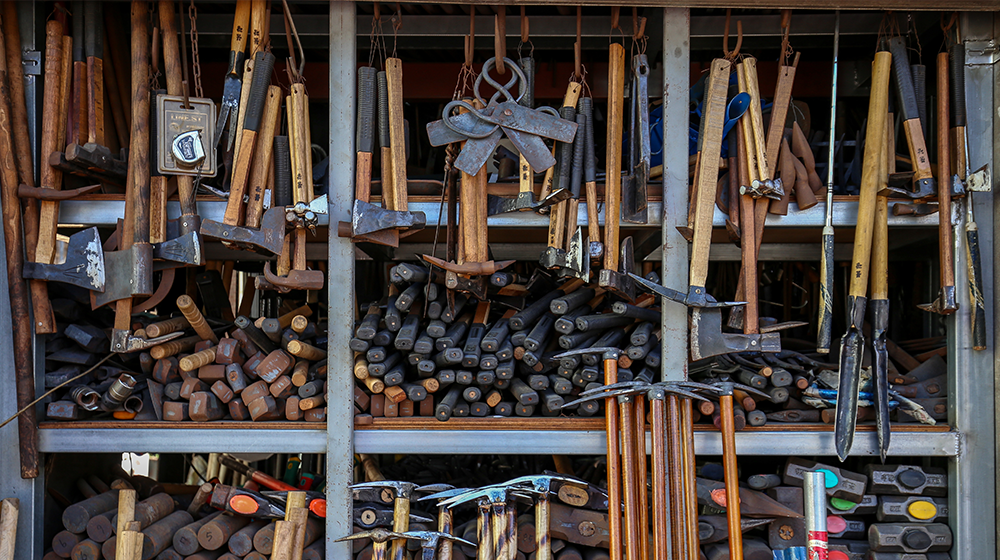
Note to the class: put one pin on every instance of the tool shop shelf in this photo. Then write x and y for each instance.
(587, 437)
(169, 437)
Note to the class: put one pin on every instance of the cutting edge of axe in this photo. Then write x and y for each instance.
(83, 266)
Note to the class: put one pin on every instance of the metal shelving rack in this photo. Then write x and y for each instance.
(969, 446)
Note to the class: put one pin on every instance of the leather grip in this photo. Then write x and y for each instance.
(282, 173)
(527, 65)
(576, 173)
(565, 150)
(919, 74)
(383, 109)
(904, 80)
(263, 64)
(366, 109)
(586, 108)
(956, 71)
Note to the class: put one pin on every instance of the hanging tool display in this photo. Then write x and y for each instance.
(852, 343)
(233, 81)
(636, 186)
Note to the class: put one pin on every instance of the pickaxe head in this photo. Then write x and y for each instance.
(368, 218)
(696, 296)
(296, 279)
(724, 388)
(496, 494)
(124, 342)
(270, 236)
(680, 388)
(451, 492)
(378, 535)
(430, 539)
(542, 483)
(616, 390)
(433, 489)
(83, 265)
(401, 490)
(607, 352)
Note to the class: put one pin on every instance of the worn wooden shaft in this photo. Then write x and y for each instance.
(945, 242)
(613, 432)
(194, 361)
(659, 465)
(731, 479)
(613, 181)
(173, 347)
(675, 475)
(690, 486)
(260, 172)
(166, 327)
(640, 458)
(305, 351)
(626, 410)
(195, 318)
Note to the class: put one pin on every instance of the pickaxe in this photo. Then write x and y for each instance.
(610, 356)
(497, 519)
(401, 511)
(380, 540)
(369, 516)
(429, 542)
(725, 391)
(445, 522)
(541, 485)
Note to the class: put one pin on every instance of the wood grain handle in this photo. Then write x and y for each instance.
(162, 328)
(945, 244)
(238, 43)
(613, 181)
(258, 26)
(305, 351)
(877, 111)
(195, 318)
(171, 47)
(194, 361)
(173, 347)
(708, 168)
(397, 137)
(263, 152)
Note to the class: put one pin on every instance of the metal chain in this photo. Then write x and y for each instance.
(195, 61)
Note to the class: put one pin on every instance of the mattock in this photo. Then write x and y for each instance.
(725, 391)
(380, 541)
(670, 497)
(401, 492)
(541, 487)
(707, 338)
(370, 223)
(613, 431)
(130, 270)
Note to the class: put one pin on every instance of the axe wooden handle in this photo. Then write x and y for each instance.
(877, 110)
(945, 243)
(94, 40)
(613, 176)
(396, 196)
(175, 86)
(79, 124)
(261, 170)
(747, 286)
(24, 375)
(708, 169)
(65, 91)
(245, 85)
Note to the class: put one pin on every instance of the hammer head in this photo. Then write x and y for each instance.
(296, 279)
(83, 266)
(401, 490)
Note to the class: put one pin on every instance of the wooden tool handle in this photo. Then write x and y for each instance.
(171, 48)
(49, 143)
(195, 318)
(397, 137)
(173, 347)
(241, 21)
(263, 152)
(708, 171)
(945, 243)
(258, 26)
(137, 189)
(613, 180)
(166, 327)
(877, 109)
(194, 361)
(305, 351)
(764, 166)
(779, 112)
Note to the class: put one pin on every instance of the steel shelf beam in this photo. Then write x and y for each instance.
(181, 440)
(593, 442)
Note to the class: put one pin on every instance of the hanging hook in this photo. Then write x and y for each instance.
(727, 54)
(294, 68)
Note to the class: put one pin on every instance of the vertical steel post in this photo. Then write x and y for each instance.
(340, 274)
(971, 374)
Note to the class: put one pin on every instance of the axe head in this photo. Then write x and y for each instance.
(367, 218)
(945, 304)
(270, 236)
(979, 180)
(83, 265)
(129, 273)
(576, 261)
(707, 338)
(184, 250)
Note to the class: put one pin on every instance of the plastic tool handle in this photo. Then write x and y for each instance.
(565, 150)
(263, 64)
(241, 22)
(905, 92)
(366, 109)
(576, 173)
(956, 70)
